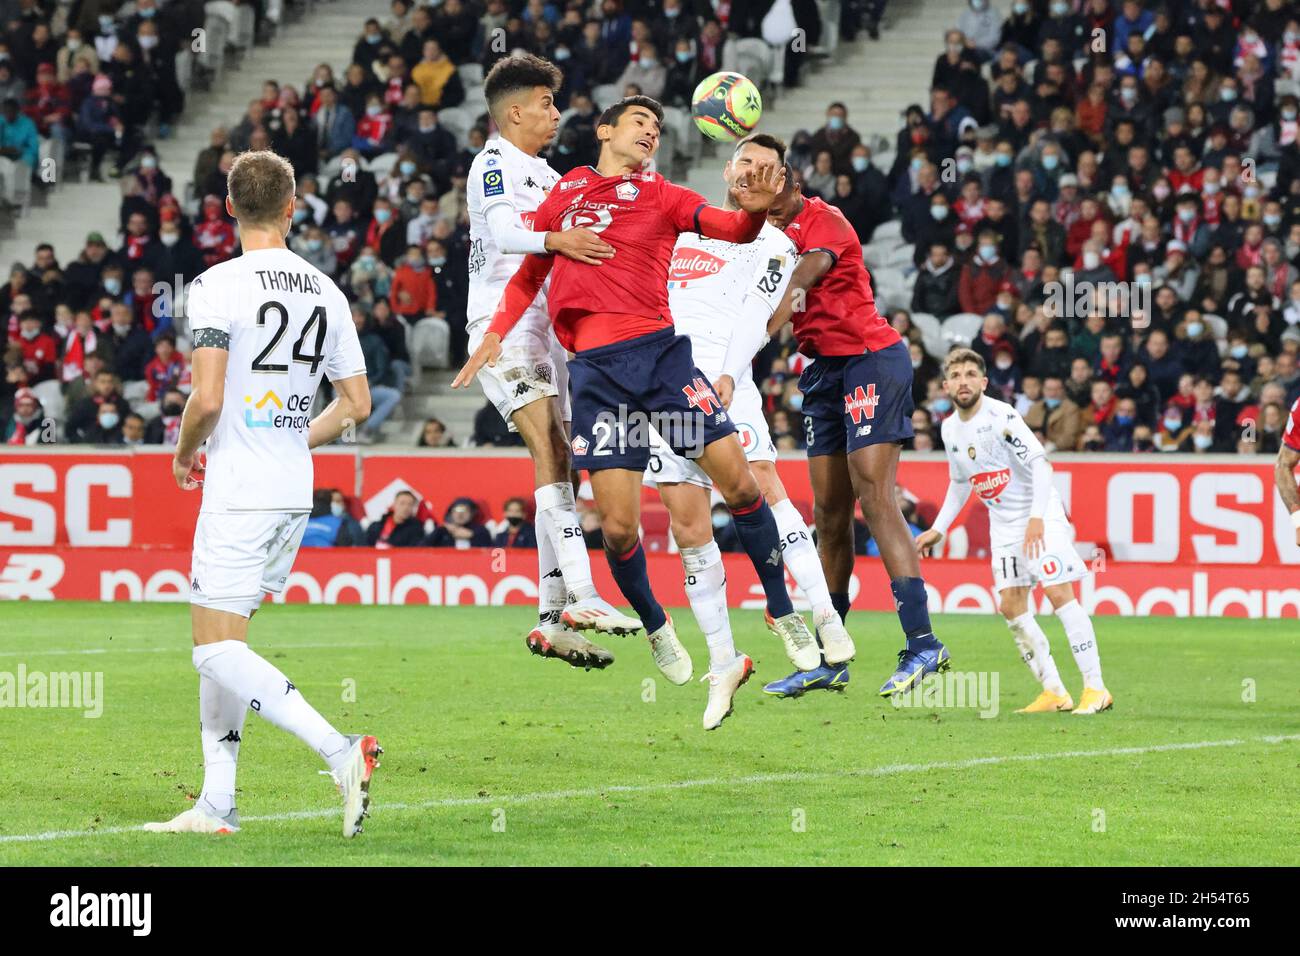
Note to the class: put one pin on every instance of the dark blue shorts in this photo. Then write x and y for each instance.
(620, 391)
(850, 402)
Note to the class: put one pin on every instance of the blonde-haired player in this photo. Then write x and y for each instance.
(992, 452)
(266, 326)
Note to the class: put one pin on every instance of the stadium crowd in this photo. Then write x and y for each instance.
(1079, 141)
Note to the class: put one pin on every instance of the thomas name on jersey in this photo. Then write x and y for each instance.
(281, 281)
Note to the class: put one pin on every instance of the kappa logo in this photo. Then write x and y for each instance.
(579, 445)
(862, 403)
(627, 192)
(700, 395)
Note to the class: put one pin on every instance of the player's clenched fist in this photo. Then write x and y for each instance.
(189, 472)
(486, 354)
(725, 389)
(927, 541)
(581, 245)
(759, 188)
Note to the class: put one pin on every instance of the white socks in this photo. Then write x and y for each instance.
(221, 723)
(706, 588)
(259, 684)
(552, 595)
(800, 556)
(1083, 642)
(1036, 652)
(557, 512)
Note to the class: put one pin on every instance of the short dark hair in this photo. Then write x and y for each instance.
(612, 113)
(516, 73)
(766, 141)
(261, 185)
(963, 357)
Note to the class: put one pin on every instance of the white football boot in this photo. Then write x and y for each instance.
(556, 640)
(597, 614)
(800, 645)
(352, 777)
(669, 654)
(200, 818)
(723, 685)
(837, 646)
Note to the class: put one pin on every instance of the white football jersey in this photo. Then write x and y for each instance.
(994, 451)
(501, 173)
(287, 326)
(709, 280)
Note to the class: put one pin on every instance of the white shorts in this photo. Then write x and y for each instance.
(668, 467)
(533, 366)
(240, 555)
(1059, 562)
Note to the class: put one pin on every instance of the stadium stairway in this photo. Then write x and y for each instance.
(875, 80)
(327, 32)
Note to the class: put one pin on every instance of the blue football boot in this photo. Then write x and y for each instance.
(823, 677)
(914, 662)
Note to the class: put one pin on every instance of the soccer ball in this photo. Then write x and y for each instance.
(726, 106)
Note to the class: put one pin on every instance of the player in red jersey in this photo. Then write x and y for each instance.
(857, 406)
(631, 373)
(1288, 456)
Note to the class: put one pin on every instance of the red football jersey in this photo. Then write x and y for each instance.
(839, 316)
(1291, 437)
(640, 215)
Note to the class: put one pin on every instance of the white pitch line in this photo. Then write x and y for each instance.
(161, 650)
(757, 779)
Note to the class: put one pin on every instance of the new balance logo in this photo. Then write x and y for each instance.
(863, 431)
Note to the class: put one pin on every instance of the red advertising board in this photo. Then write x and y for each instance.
(1152, 509)
(447, 577)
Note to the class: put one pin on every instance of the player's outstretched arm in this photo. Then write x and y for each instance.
(350, 408)
(953, 501)
(811, 269)
(207, 395)
(520, 292)
(1284, 478)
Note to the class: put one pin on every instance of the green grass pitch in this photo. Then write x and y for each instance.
(495, 757)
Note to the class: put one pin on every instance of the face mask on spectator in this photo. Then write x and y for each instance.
(112, 285)
(147, 13)
(1051, 161)
(942, 405)
(30, 334)
(1227, 94)
(407, 167)
(366, 262)
(648, 61)
(382, 215)
(105, 25)
(1060, 8)
(427, 128)
(916, 363)
(978, 5)
(917, 163)
(1020, 9)
(437, 262)
(721, 519)
(1091, 260)
(683, 56)
(147, 42)
(1002, 159)
(964, 165)
(1239, 352)
(74, 45)
(1052, 403)
(1272, 220)
(939, 212)
(1160, 191)
(1144, 278)
(1210, 188)
(796, 401)
(561, 53)
(1119, 191)
(1194, 330)
(314, 245)
(860, 164)
(1123, 420)
(169, 238)
(416, 264)
(988, 252)
(1291, 36)
(1173, 423)
(148, 162)
(835, 122)
(1202, 442)
(373, 38)
(1288, 113)
(1187, 214)
(1003, 362)
(374, 109)
(108, 421)
(336, 509)
(299, 215)
(1128, 94)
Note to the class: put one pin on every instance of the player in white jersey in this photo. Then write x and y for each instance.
(721, 295)
(266, 326)
(529, 383)
(992, 452)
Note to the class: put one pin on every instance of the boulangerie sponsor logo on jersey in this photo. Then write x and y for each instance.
(990, 484)
(691, 263)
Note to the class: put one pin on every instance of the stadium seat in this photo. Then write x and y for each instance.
(752, 57)
(431, 343)
(382, 164)
(471, 74)
(1218, 325)
(50, 394)
(888, 230)
(656, 527)
(135, 391)
(931, 333)
(606, 94)
(457, 121)
(962, 328)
